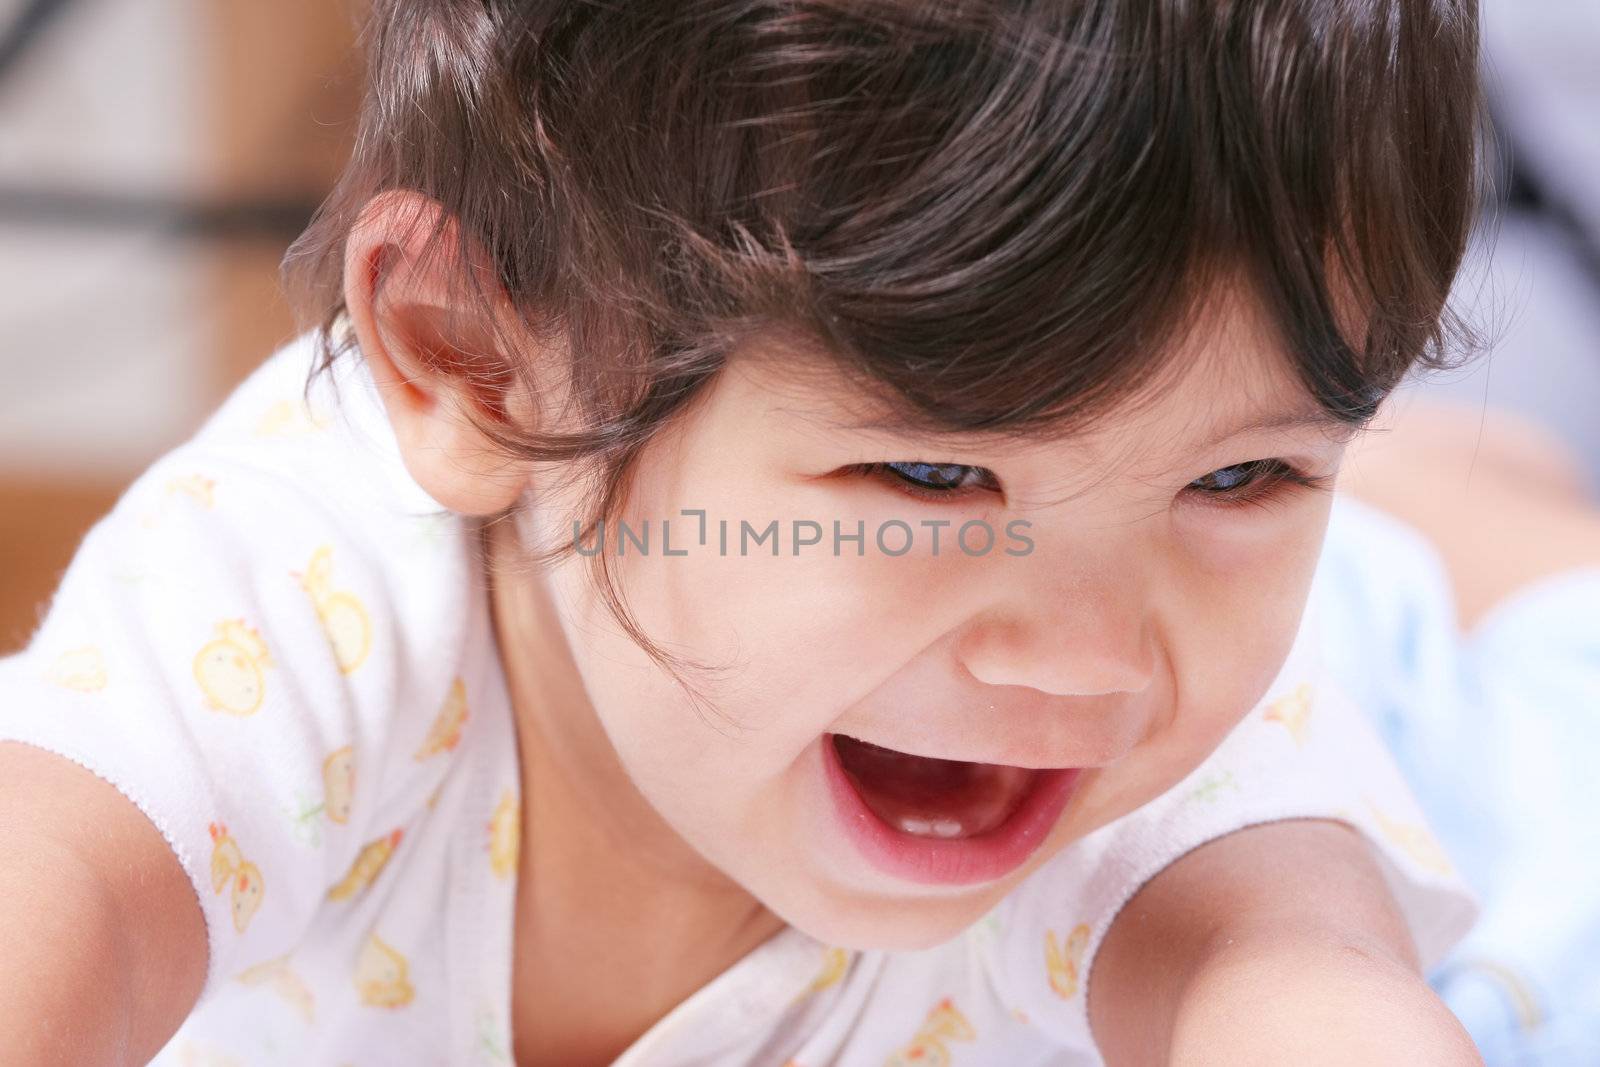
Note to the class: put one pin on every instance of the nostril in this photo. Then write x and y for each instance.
(1072, 643)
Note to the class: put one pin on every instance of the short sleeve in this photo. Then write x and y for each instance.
(1305, 751)
(230, 649)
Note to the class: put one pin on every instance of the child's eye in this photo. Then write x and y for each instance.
(1241, 483)
(1246, 483)
(933, 481)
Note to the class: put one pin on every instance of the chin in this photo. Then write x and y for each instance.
(886, 924)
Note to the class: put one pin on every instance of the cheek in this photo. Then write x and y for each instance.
(1243, 600)
(798, 635)
(802, 637)
(1231, 612)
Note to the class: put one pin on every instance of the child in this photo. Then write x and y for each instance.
(969, 379)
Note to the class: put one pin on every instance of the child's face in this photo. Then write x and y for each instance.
(1143, 623)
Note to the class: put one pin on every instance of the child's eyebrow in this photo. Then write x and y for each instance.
(1319, 419)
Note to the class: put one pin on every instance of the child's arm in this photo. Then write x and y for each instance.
(1279, 943)
(104, 944)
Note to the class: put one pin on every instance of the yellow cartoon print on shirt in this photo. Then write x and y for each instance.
(1064, 961)
(835, 961)
(445, 733)
(928, 1049)
(1517, 988)
(1414, 840)
(338, 797)
(383, 975)
(193, 1054)
(288, 417)
(193, 487)
(339, 782)
(275, 974)
(505, 835)
(229, 868)
(230, 669)
(196, 487)
(83, 669)
(367, 866)
(1293, 711)
(344, 619)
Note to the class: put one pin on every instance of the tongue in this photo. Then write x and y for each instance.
(931, 797)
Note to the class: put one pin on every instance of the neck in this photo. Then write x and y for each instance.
(606, 887)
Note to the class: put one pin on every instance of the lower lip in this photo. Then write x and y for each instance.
(950, 861)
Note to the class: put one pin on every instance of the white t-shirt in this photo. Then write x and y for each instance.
(279, 647)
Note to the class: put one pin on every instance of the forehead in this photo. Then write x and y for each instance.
(1225, 375)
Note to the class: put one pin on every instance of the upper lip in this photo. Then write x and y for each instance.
(1028, 758)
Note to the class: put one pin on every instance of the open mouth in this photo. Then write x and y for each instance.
(932, 797)
(942, 821)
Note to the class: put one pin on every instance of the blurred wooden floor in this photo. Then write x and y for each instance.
(40, 527)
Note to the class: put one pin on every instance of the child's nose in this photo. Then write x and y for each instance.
(1076, 638)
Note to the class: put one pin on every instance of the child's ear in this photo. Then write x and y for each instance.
(432, 362)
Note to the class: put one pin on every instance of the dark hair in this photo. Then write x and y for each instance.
(996, 215)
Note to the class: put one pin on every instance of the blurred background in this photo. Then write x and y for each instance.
(157, 157)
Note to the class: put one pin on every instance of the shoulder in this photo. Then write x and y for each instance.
(264, 646)
(279, 563)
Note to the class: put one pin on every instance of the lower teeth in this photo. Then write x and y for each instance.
(934, 828)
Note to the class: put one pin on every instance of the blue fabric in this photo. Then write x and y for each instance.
(1498, 732)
